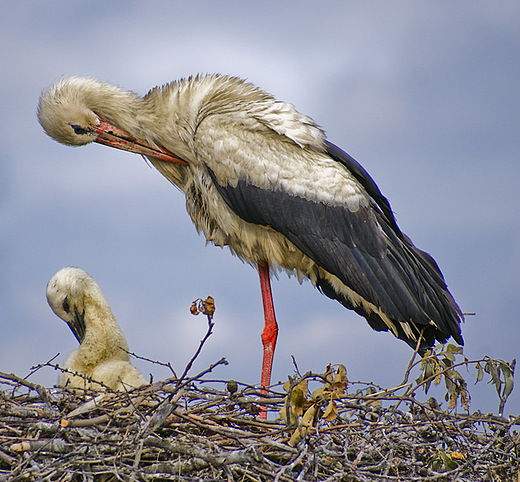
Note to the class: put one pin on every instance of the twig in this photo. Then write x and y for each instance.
(155, 362)
(21, 381)
(211, 324)
(411, 363)
(295, 364)
(34, 369)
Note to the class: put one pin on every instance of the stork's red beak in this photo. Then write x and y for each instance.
(109, 135)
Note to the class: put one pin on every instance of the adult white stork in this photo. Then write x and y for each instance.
(262, 179)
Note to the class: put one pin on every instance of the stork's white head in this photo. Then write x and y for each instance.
(79, 110)
(66, 293)
(64, 113)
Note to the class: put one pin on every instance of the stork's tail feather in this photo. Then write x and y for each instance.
(406, 331)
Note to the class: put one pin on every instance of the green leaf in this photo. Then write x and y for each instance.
(456, 350)
(449, 463)
(507, 372)
(449, 356)
(480, 373)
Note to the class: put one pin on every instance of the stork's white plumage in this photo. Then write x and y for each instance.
(103, 352)
(262, 179)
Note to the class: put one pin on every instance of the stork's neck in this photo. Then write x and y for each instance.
(169, 117)
(103, 340)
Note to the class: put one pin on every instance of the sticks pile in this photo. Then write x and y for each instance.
(166, 431)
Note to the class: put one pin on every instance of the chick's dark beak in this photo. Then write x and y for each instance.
(77, 325)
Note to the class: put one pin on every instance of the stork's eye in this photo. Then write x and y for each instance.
(80, 130)
(65, 305)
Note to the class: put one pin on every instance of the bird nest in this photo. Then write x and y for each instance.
(193, 428)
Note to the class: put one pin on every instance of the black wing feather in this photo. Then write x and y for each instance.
(364, 248)
(364, 178)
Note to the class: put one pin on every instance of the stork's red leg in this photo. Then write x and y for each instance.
(270, 332)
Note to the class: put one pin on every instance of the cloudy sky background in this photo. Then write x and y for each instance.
(425, 95)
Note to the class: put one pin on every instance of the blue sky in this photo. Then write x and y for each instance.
(424, 94)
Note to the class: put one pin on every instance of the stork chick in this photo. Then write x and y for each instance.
(103, 352)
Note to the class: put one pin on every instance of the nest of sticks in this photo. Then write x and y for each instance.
(319, 426)
(195, 428)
